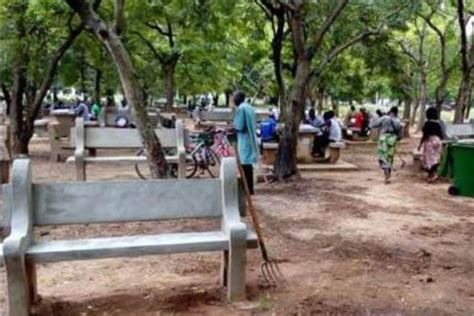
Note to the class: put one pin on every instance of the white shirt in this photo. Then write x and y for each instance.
(335, 132)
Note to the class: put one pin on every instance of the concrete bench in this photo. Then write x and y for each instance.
(221, 115)
(5, 155)
(269, 151)
(67, 203)
(460, 131)
(122, 138)
(59, 140)
(335, 150)
(41, 128)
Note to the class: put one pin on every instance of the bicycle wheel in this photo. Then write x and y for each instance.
(213, 163)
(191, 166)
(142, 170)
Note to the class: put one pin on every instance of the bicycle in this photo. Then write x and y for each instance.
(143, 171)
(203, 152)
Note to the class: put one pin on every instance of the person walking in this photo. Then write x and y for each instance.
(389, 127)
(431, 144)
(245, 124)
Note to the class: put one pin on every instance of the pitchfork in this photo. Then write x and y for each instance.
(271, 272)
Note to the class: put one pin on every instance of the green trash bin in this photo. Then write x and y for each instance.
(459, 165)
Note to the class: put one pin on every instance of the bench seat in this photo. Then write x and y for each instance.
(272, 145)
(131, 246)
(120, 159)
(337, 145)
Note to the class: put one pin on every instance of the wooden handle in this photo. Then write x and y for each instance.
(252, 211)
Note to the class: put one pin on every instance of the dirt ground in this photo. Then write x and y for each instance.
(349, 245)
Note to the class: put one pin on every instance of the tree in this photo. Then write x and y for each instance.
(110, 37)
(33, 44)
(418, 57)
(309, 39)
(276, 14)
(467, 59)
(446, 67)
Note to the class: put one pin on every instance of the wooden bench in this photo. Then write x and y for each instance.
(67, 203)
(122, 138)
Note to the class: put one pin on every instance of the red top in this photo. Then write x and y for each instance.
(359, 120)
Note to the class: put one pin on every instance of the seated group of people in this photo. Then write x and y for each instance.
(328, 130)
(359, 121)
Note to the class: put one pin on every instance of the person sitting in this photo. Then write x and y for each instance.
(95, 111)
(364, 129)
(268, 129)
(348, 120)
(81, 110)
(332, 132)
(431, 144)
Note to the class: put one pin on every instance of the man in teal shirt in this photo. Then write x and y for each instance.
(246, 126)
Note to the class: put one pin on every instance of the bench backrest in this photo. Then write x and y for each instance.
(224, 115)
(454, 131)
(112, 137)
(102, 202)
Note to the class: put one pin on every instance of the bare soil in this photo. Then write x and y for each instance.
(348, 245)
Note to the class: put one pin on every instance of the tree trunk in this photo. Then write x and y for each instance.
(463, 101)
(285, 162)
(6, 95)
(98, 78)
(277, 46)
(19, 130)
(130, 84)
(335, 107)
(227, 98)
(170, 89)
(423, 96)
(407, 101)
(320, 100)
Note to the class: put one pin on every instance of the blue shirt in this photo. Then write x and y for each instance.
(246, 125)
(268, 129)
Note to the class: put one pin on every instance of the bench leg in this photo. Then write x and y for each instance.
(224, 267)
(32, 283)
(80, 169)
(334, 154)
(236, 270)
(17, 284)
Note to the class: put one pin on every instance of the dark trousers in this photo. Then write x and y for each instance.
(320, 144)
(248, 173)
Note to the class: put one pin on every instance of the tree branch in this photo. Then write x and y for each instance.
(51, 70)
(119, 21)
(341, 48)
(328, 22)
(152, 48)
(155, 26)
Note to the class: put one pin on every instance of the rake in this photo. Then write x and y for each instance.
(270, 270)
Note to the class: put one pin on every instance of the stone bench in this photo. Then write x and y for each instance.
(41, 128)
(460, 131)
(5, 155)
(335, 150)
(221, 116)
(122, 138)
(67, 203)
(269, 151)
